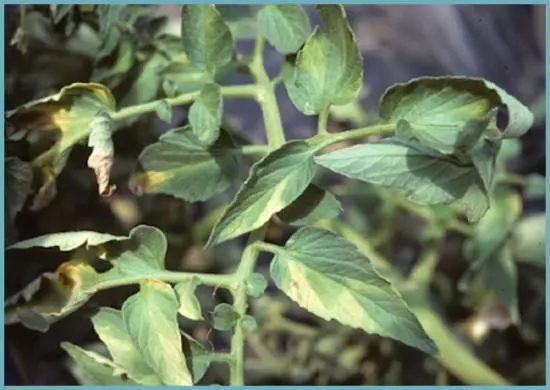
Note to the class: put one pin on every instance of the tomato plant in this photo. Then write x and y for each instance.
(436, 148)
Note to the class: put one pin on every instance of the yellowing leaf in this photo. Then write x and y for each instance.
(60, 121)
(330, 277)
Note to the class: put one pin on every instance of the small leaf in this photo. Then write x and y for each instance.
(329, 68)
(92, 369)
(190, 306)
(313, 205)
(424, 176)
(274, 183)
(52, 296)
(197, 356)
(207, 40)
(529, 239)
(440, 109)
(329, 277)
(205, 114)
(150, 319)
(256, 285)
(103, 152)
(68, 241)
(18, 185)
(249, 324)
(224, 317)
(109, 326)
(58, 121)
(179, 165)
(164, 111)
(286, 27)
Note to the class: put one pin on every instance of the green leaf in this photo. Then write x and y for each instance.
(424, 176)
(483, 156)
(92, 369)
(68, 241)
(142, 257)
(109, 325)
(224, 317)
(197, 356)
(439, 110)
(313, 205)
(256, 285)
(329, 68)
(207, 40)
(205, 114)
(179, 165)
(18, 185)
(190, 306)
(286, 27)
(494, 228)
(241, 19)
(249, 324)
(492, 267)
(329, 277)
(164, 111)
(63, 120)
(150, 317)
(529, 239)
(274, 183)
(52, 296)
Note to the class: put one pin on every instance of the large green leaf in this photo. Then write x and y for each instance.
(329, 68)
(274, 183)
(205, 114)
(58, 121)
(179, 165)
(206, 38)
(424, 176)
(328, 276)
(150, 317)
(440, 110)
(197, 355)
(313, 205)
(110, 327)
(286, 27)
(92, 369)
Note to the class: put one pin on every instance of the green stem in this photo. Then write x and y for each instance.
(215, 280)
(255, 151)
(247, 91)
(266, 97)
(222, 357)
(322, 122)
(245, 269)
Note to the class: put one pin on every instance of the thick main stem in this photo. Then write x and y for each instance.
(266, 98)
(245, 269)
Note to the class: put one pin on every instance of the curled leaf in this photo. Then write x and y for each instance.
(101, 158)
(53, 125)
